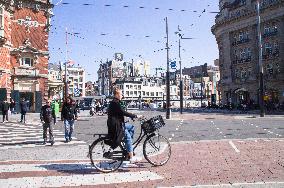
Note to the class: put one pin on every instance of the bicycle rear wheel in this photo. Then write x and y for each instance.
(103, 157)
(157, 149)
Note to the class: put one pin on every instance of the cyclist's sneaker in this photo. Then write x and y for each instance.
(127, 164)
(135, 159)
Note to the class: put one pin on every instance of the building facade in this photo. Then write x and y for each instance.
(24, 29)
(55, 82)
(236, 33)
(76, 81)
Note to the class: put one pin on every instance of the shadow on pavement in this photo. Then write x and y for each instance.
(76, 168)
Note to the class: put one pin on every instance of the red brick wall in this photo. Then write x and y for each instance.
(37, 35)
(38, 38)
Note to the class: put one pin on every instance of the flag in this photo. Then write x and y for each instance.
(77, 92)
(70, 63)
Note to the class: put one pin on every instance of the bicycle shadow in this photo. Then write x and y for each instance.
(69, 168)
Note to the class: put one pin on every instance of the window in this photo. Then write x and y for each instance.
(127, 86)
(242, 54)
(152, 94)
(127, 93)
(241, 36)
(266, 30)
(139, 87)
(27, 62)
(135, 87)
(268, 48)
(274, 28)
(157, 94)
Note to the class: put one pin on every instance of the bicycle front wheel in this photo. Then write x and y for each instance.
(157, 149)
(103, 157)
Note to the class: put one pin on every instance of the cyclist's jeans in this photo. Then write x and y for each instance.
(67, 124)
(128, 136)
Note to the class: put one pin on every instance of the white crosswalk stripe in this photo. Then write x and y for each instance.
(15, 135)
(39, 175)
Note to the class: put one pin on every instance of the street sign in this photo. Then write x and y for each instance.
(173, 65)
(77, 92)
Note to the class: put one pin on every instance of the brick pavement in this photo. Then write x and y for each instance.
(192, 163)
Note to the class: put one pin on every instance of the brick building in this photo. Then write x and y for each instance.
(24, 28)
(235, 30)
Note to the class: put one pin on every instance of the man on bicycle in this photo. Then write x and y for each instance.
(117, 129)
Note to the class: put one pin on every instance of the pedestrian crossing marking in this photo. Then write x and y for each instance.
(13, 136)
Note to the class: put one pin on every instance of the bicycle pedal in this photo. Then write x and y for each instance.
(107, 154)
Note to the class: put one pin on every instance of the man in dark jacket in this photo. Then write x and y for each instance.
(24, 109)
(69, 115)
(117, 129)
(5, 108)
(47, 117)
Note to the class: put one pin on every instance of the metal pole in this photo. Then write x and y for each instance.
(201, 89)
(261, 84)
(180, 83)
(66, 76)
(168, 73)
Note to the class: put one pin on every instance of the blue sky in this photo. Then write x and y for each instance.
(100, 31)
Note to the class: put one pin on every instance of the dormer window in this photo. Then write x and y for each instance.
(27, 62)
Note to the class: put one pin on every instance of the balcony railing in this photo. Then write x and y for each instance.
(269, 34)
(241, 41)
(271, 55)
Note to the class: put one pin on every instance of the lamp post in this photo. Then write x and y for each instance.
(181, 81)
(168, 73)
(66, 77)
(261, 84)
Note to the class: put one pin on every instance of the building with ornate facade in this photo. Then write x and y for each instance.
(24, 29)
(236, 33)
(55, 82)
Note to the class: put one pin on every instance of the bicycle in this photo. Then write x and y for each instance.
(156, 148)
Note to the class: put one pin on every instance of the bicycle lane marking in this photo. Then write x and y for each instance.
(234, 146)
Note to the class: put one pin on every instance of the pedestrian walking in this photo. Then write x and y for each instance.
(47, 119)
(12, 106)
(55, 110)
(69, 115)
(5, 109)
(24, 109)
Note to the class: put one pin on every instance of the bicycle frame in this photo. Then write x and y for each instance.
(140, 138)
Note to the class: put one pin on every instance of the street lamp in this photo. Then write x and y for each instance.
(181, 81)
(168, 73)
(261, 84)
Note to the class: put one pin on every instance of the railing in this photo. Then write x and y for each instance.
(269, 34)
(240, 41)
